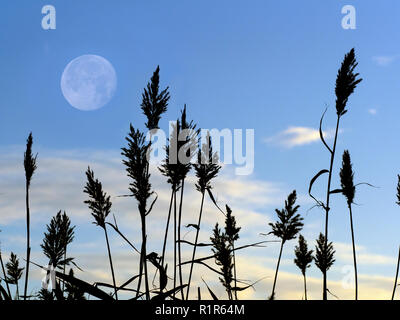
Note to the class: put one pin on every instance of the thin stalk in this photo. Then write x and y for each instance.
(195, 245)
(234, 268)
(354, 252)
(28, 240)
(144, 260)
(17, 292)
(140, 272)
(111, 263)
(179, 239)
(167, 227)
(397, 274)
(5, 275)
(324, 293)
(276, 272)
(65, 257)
(175, 225)
(305, 286)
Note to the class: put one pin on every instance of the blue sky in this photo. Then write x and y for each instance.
(264, 65)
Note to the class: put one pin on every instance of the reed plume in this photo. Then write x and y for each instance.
(324, 255)
(136, 164)
(14, 272)
(179, 154)
(348, 190)
(154, 102)
(100, 205)
(346, 81)
(286, 228)
(223, 258)
(303, 260)
(59, 235)
(206, 169)
(232, 235)
(30, 168)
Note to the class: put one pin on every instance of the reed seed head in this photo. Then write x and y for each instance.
(154, 103)
(29, 160)
(346, 82)
(14, 272)
(58, 236)
(289, 221)
(303, 256)
(173, 168)
(324, 255)
(231, 231)
(346, 178)
(137, 167)
(223, 256)
(99, 202)
(206, 167)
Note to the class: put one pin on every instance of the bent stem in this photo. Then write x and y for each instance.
(179, 239)
(175, 226)
(195, 245)
(28, 239)
(328, 192)
(144, 258)
(276, 271)
(111, 263)
(234, 268)
(167, 227)
(354, 252)
(5, 275)
(397, 274)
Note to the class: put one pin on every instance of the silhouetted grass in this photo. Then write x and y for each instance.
(346, 82)
(348, 190)
(14, 273)
(206, 169)
(303, 259)
(287, 227)
(100, 205)
(324, 256)
(176, 168)
(30, 168)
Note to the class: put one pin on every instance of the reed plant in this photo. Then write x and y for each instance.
(348, 190)
(206, 169)
(136, 164)
(346, 81)
(30, 168)
(59, 235)
(288, 225)
(178, 163)
(303, 260)
(223, 258)
(14, 273)
(324, 257)
(100, 205)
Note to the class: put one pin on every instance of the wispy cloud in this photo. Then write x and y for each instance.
(372, 111)
(297, 136)
(385, 60)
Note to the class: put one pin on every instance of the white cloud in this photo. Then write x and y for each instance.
(385, 60)
(298, 136)
(372, 111)
(58, 184)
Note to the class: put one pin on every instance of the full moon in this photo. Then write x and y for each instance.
(88, 82)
